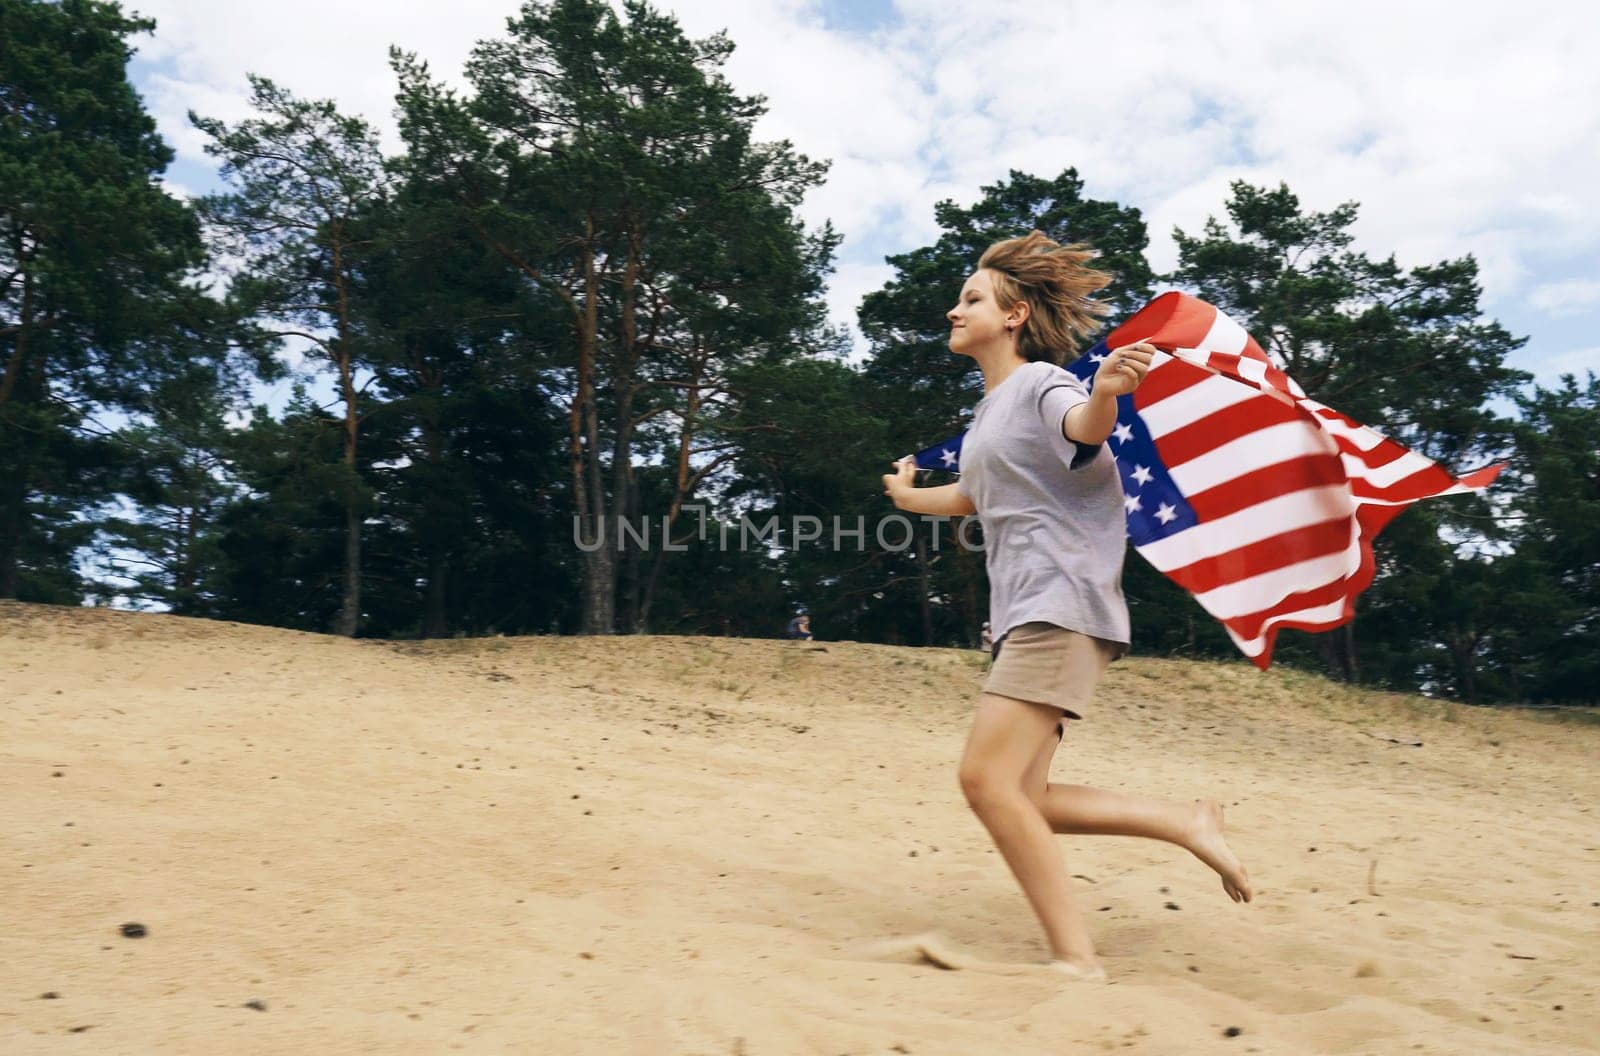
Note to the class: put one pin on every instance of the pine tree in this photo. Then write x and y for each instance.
(305, 176)
(97, 300)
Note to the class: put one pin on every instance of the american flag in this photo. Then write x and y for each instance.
(1260, 502)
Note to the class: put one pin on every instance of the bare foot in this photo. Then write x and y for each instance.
(1207, 844)
(935, 950)
(1093, 973)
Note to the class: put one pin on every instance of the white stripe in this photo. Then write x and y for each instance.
(1360, 436)
(1225, 335)
(1251, 647)
(1457, 488)
(1269, 588)
(1255, 370)
(1264, 447)
(1250, 525)
(1333, 610)
(1193, 403)
(1386, 474)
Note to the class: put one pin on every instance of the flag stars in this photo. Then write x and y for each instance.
(1142, 475)
(1166, 514)
(948, 457)
(1131, 503)
(1123, 432)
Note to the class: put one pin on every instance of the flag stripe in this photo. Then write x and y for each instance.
(1257, 644)
(1234, 422)
(1247, 489)
(1264, 520)
(1168, 375)
(1275, 552)
(1210, 394)
(1276, 443)
(1250, 595)
(1300, 605)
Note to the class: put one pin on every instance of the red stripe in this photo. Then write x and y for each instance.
(1309, 471)
(1227, 363)
(1372, 520)
(1425, 483)
(1278, 380)
(1373, 457)
(1249, 626)
(1170, 378)
(1206, 434)
(1173, 320)
(1278, 551)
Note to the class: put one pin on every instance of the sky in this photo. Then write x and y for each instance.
(1459, 128)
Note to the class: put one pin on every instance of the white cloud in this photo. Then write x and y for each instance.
(1578, 362)
(1458, 129)
(1571, 297)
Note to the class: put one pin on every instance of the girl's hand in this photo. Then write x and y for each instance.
(1122, 371)
(904, 479)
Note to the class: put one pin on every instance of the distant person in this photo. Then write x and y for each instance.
(986, 637)
(1036, 470)
(799, 627)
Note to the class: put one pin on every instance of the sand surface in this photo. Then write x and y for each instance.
(728, 846)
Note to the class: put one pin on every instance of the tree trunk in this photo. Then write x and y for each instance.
(13, 511)
(683, 484)
(628, 573)
(350, 604)
(923, 588)
(434, 621)
(599, 590)
(14, 482)
(1352, 666)
(599, 565)
(19, 349)
(434, 624)
(625, 389)
(1462, 648)
(1338, 648)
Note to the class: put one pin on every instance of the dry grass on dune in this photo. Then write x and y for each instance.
(699, 845)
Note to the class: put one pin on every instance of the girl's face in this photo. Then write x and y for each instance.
(976, 321)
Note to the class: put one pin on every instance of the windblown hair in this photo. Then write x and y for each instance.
(1056, 282)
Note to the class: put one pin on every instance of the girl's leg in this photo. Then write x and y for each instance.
(1006, 737)
(1080, 810)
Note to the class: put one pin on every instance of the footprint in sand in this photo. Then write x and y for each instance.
(934, 949)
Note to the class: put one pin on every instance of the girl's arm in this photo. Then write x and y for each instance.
(946, 501)
(1120, 373)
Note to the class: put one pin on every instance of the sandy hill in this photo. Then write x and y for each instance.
(684, 845)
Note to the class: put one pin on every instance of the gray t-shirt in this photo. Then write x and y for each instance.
(1053, 524)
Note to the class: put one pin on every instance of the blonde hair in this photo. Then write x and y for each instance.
(1055, 281)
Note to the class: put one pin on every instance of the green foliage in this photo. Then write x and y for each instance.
(928, 386)
(583, 291)
(307, 178)
(603, 157)
(1547, 639)
(95, 311)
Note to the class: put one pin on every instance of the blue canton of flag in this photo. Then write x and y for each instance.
(945, 456)
(1155, 507)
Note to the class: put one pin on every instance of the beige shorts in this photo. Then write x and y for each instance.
(1051, 665)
